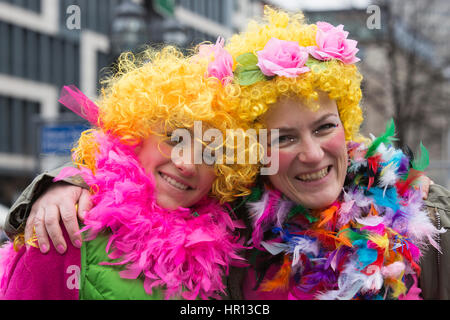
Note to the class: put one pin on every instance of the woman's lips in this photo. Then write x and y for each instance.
(176, 183)
(314, 176)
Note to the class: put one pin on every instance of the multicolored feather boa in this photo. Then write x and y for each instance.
(366, 245)
(185, 251)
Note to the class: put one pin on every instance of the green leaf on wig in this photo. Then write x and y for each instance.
(247, 72)
(247, 59)
(315, 64)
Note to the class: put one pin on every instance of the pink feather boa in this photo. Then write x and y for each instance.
(186, 251)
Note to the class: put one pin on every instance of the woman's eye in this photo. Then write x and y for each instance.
(283, 140)
(173, 139)
(325, 128)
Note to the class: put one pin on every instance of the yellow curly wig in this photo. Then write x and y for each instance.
(340, 81)
(164, 88)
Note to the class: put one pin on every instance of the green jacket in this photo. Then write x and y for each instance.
(103, 282)
(434, 279)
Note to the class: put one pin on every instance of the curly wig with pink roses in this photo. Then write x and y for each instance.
(336, 74)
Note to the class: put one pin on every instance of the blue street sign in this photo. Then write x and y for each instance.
(60, 138)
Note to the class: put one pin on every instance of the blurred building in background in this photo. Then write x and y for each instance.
(46, 44)
(3, 213)
(407, 77)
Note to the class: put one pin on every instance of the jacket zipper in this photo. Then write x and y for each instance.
(438, 220)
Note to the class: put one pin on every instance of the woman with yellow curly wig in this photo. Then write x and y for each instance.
(157, 228)
(341, 219)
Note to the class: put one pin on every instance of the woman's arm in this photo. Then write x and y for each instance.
(43, 204)
(61, 202)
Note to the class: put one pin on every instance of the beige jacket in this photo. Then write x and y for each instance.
(18, 213)
(435, 277)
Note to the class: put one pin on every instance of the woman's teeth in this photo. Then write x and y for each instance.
(313, 176)
(174, 183)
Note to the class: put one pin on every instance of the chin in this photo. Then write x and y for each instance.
(319, 205)
(317, 201)
(168, 204)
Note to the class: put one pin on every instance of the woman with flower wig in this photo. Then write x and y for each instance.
(157, 228)
(343, 216)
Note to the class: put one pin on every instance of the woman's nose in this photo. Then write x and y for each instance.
(185, 167)
(310, 151)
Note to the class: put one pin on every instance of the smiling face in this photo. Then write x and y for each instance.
(178, 184)
(312, 151)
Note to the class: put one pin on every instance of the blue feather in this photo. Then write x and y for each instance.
(388, 198)
(366, 256)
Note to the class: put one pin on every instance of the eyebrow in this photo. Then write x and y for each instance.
(316, 122)
(325, 117)
(191, 131)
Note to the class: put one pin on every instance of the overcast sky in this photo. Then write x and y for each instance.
(320, 4)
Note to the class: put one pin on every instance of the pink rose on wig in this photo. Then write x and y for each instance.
(221, 66)
(332, 43)
(282, 58)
